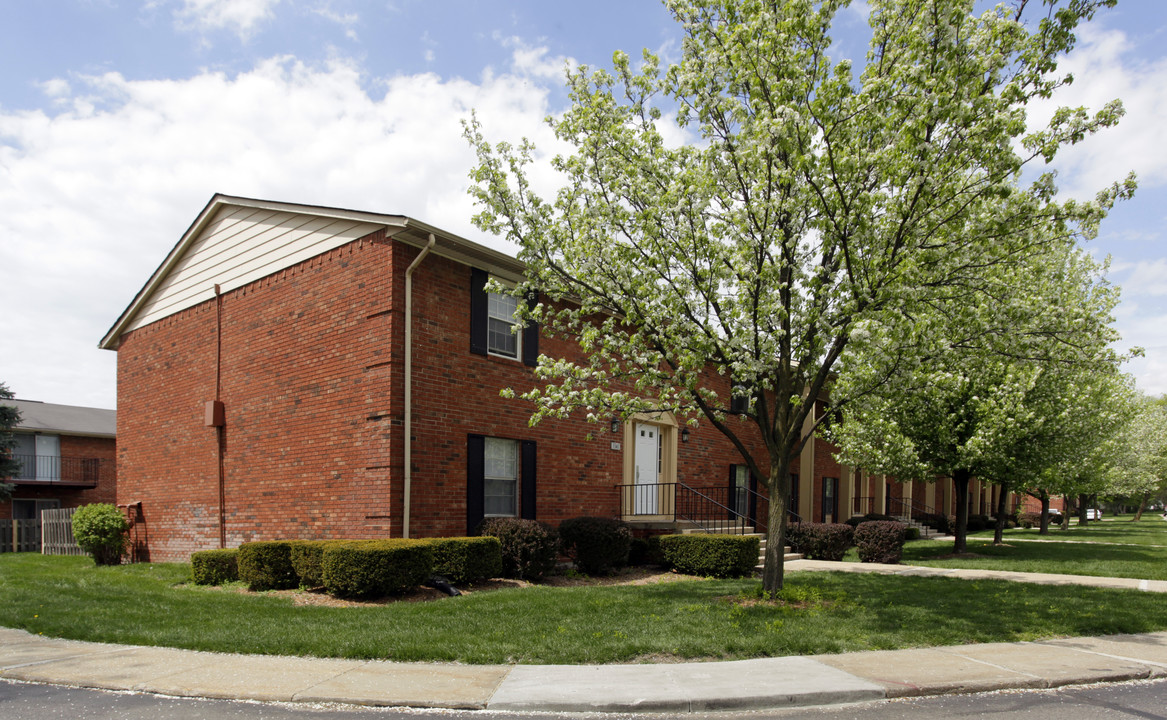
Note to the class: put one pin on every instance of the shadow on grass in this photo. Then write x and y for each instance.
(709, 619)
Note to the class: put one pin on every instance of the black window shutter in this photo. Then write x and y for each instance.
(732, 493)
(531, 335)
(475, 482)
(478, 311)
(739, 403)
(527, 501)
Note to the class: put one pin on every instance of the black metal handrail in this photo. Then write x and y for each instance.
(862, 505)
(53, 469)
(696, 506)
(915, 510)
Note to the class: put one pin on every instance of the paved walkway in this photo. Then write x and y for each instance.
(681, 687)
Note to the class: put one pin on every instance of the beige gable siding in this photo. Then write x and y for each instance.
(240, 245)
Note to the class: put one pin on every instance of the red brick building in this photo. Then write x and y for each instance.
(67, 455)
(272, 368)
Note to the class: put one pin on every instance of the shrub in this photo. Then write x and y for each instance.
(880, 541)
(307, 558)
(214, 567)
(596, 544)
(101, 530)
(267, 565)
(911, 532)
(463, 559)
(711, 555)
(936, 521)
(820, 541)
(645, 551)
(976, 523)
(856, 520)
(370, 568)
(529, 547)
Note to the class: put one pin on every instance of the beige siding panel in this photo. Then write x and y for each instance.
(241, 245)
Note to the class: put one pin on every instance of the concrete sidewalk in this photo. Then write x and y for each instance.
(969, 574)
(682, 687)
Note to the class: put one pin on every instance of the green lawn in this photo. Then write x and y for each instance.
(1110, 548)
(825, 613)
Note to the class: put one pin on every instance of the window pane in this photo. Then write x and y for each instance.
(501, 476)
(500, 338)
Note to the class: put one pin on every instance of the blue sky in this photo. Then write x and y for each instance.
(119, 119)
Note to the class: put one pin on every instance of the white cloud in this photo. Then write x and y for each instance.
(1105, 68)
(94, 196)
(534, 61)
(238, 16)
(348, 21)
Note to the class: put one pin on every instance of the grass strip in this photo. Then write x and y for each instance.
(1145, 562)
(709, 619)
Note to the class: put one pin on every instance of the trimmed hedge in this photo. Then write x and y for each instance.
(100, 529)
(529, 547)
(711, 555)
(880, 541)
(214, 567)
(597, 545)
(464, 559)
(858, 519)
(820, 541)
(267, 565)
(371, 568)
(307, 557)
(911, 532)
(645, 551)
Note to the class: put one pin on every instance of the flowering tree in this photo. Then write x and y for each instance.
(1138, 468)
(810, 210)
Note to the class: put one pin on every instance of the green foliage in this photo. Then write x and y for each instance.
(857, 519)
(711, 555)
(9, 419)
(818, 220)
(597, 545)
(101, 530)
(880, 541)
(466, 559)
(372, 568)
(307, 558)
(215, 567)
(911, 532)
(821, 541)
(267, 565)
(645, 551)
(529, 548)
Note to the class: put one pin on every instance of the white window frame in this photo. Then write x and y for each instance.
(500, 465)
(493, 317)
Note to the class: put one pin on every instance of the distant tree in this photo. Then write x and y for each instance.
(813, 207)
(1139, 462)
(9, 466)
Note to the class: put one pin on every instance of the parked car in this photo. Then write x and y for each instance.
(1093, 514)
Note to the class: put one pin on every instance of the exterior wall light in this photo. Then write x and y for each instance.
(615, 424)
(685, 435)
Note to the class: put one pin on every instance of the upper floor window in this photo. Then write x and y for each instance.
(500, 319)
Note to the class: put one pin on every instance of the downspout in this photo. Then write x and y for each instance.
(219, 429)
(408, 482)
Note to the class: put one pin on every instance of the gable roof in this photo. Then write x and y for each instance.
(236, 240)
(66, 419)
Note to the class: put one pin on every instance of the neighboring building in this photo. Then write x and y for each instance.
(265, 391)
(67, 455)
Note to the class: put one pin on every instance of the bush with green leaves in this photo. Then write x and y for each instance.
(911, 532)
(215, 567)
(372, 568)
(857, 519)
(597, 545)
(307, 557)
(267, 565)
(711, 555)
(466, 559)
(820, 541)
(880, 541)
(645, 551)
(529, 548)
(101, 530)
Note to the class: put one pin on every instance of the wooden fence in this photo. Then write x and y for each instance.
(51, 535)
(20, 535)
(57, 533)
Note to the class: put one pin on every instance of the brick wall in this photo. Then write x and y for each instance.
(312, 381)
(74, 446)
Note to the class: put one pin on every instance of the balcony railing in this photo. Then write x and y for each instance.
(715, 509)
(63, 471)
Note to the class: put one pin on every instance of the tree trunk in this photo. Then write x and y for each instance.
(960, 480)
(999, 530)
(1083, 501)
(1044, 515)
(778, 486)
(1142, 507)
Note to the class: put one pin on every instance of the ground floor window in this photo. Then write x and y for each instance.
(500, 479)
(31, 509)
(830, 510)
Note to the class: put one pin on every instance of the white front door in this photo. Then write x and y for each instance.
(647, 461)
